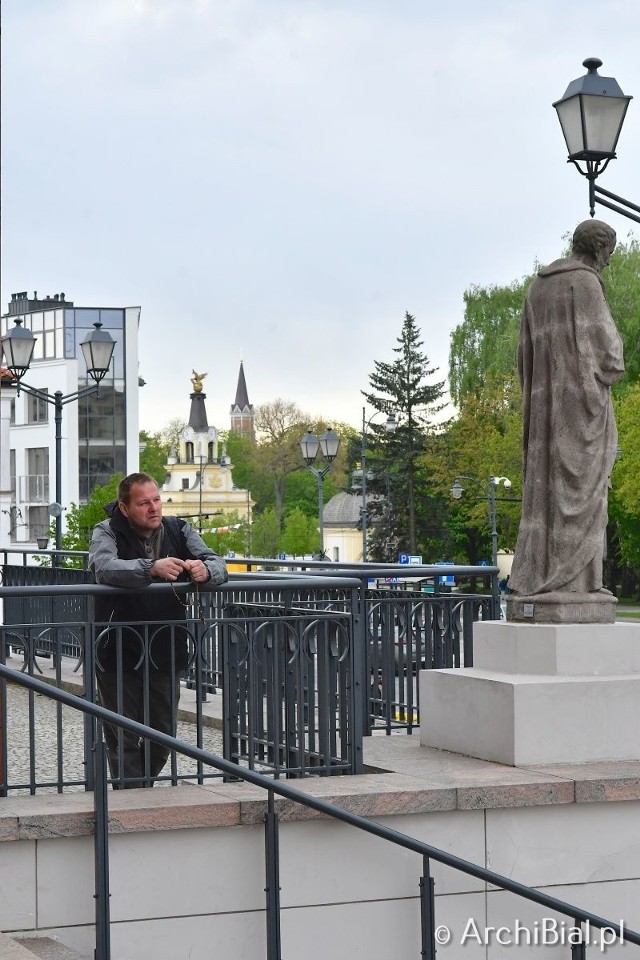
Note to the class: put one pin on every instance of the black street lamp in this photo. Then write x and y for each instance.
(490, 496)
(18, 346)
(390, 427)
(328, 444)
(591, 115)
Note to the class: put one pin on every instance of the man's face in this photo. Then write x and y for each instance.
(144, 510)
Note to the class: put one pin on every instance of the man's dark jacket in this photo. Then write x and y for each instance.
(161, 609)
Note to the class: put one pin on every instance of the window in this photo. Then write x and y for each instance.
(37, 409)
(12, 411)
(38, 522)
(185, 483)
(37, 480)
(188, 449)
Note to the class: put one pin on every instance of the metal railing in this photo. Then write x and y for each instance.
(290, 697)
(582, 920)
(306, 665)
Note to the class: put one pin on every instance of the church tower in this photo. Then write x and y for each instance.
(242, 416)
(199, 484)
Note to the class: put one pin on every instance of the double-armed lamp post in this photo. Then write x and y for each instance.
(390, 426)
(591, 115)
(18, 346)
(310, 445)
(489, 494)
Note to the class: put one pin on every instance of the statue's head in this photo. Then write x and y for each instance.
(594, 241)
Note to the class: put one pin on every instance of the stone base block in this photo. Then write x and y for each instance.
(562, 608)
(539, 695)
(569, 649)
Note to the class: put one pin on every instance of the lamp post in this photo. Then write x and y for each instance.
(591, 114)
(490, 496)
(328, 444)
(200, 479)
(97, 347)
(390, 427)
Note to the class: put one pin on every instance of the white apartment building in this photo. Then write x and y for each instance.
(99, 432)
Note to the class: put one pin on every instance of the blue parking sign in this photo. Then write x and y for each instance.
(403, 558)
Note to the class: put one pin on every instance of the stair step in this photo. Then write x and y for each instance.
(26, 948)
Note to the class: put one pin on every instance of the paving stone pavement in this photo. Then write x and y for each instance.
(58, 724)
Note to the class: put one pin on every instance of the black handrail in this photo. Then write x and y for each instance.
(577, 914)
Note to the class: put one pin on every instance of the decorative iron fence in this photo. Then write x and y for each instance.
(290, 702)
(306, 665)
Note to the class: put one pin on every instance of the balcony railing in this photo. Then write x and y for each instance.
(33, 488)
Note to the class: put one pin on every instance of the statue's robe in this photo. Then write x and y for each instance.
(569, 355)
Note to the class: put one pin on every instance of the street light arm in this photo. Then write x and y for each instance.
(600, 192)
(479, 483)
(319, 472)
(57, 398)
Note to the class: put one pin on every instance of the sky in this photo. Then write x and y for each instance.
(278, 181)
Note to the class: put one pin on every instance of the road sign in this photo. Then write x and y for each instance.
(415, 560)
(282, 556)
(403, 558)
(447, 578)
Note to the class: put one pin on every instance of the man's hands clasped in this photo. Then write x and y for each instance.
(170, 568)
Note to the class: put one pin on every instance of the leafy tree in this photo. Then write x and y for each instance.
(82, 520)
(485, 343)
(228, 535)
(265, 534)
(153, 457)
(622, 284)
(170, 435)
(624, 500)
(279, 425)
(300, 533)
(404, 511)
(483, 441)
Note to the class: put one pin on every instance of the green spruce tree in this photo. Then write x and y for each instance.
(404, 514)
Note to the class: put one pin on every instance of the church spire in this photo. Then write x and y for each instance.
(242, 397)
(241, 410)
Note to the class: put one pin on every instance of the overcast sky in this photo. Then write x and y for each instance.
(279, 180)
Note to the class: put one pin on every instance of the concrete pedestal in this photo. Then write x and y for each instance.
(539, 694)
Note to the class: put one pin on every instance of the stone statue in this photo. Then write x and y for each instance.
(196, 380)
(569, 355)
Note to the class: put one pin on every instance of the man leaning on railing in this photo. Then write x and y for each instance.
(137, 546)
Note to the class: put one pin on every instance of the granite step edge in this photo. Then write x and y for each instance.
(27, 948)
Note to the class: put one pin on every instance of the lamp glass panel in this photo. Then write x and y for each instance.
(603, 121)
(570, 121)
(330, 442)
(97, 353)
(309, 446)
(18, 347)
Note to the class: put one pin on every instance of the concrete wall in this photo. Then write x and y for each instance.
(199, 892)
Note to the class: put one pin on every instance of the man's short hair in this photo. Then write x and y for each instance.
(590, 236)
(124, 487)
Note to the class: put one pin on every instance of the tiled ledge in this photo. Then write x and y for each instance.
(417, 780)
